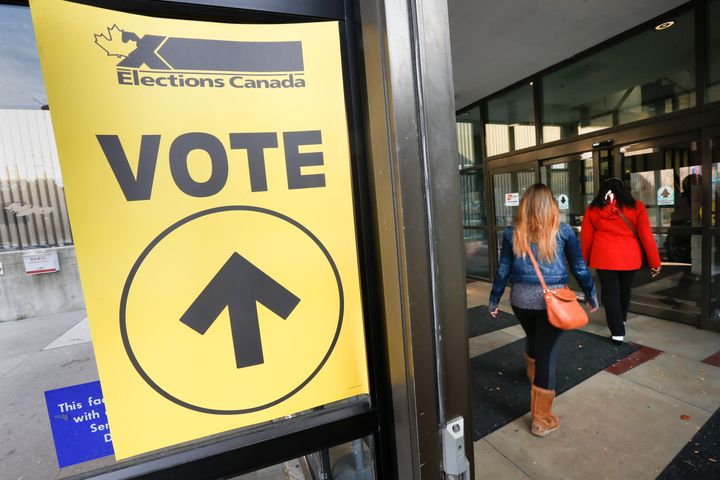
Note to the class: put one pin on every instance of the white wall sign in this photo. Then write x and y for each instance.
(666, 196)
(512, 199)
(563, 202)
(36, 263)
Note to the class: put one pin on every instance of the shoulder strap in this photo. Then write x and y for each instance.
(537, 269)
(627, 222)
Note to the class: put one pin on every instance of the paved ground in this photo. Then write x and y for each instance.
(614, 426)
(627, 424)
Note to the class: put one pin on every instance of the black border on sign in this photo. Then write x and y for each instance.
(168, 231)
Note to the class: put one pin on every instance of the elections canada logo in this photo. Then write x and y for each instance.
(172, 62)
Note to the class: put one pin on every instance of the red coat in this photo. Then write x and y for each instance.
(609, 244)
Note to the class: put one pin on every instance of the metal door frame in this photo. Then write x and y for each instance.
(710, 233)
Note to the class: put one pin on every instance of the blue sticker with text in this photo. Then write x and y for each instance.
(79, 424)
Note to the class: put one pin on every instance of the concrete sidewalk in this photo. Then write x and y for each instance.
(613, 426)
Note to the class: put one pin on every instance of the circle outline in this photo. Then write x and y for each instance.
(138, 263)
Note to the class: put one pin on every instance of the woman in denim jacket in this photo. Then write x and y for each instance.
(538, 227)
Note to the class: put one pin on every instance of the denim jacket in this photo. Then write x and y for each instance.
(520, 270)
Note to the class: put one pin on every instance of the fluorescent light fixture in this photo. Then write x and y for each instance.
(642, 151)
(664, 25)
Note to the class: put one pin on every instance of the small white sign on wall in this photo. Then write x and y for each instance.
(666, 196)
(37, 263)
(512, 199)
(563, 202)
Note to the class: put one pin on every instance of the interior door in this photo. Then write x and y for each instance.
(572, 180)
(508, 187)
(667, 176)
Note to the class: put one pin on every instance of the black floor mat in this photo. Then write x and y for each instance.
(701, 456)
(500, 389)
(481, 322)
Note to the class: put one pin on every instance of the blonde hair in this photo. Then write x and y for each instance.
(538, 220)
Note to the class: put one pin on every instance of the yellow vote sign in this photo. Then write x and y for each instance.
(207, 170)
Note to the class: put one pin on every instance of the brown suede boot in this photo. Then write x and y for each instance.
(543, 421)
(530, 368)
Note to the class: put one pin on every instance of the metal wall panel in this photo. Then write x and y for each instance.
(33, 212)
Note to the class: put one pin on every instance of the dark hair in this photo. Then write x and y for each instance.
(623, 197)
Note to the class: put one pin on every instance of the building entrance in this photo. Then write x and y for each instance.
(677, 177)
(667, 176)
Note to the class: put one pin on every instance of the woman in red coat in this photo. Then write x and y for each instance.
(615, 230)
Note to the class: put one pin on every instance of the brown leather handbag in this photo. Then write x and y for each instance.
(563, 310)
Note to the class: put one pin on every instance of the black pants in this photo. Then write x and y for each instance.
(541, 344)
(615, 291)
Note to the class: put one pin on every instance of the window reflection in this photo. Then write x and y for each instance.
(668, 180)
(511, 121)
(713, 70)
(468, 127)
(572, 183)
(649, 74)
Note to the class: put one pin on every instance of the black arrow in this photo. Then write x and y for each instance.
(238, 285)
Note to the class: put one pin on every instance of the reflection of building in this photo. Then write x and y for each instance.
(33, 212)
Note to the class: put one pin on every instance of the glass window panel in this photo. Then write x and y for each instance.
(606, 163)
(477, 253)
(679, 284)
(474, 213)
(499, 237)
(713, 81)
(511, 121)
(508, 188)
(350, 460)
(33, 212)
(649, 74)
(468, 127)
(715, 182)
(472, 194)
(668, 180)
(45, 342)
(715, 278)
(572, 184)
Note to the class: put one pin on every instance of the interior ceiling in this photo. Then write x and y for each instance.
(496, 43)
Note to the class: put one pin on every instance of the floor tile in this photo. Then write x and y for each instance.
(684, 340)
(690, 381)
(489, 341)
(491, 464)
(611, 428)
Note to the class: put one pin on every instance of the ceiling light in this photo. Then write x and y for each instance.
(664, 25)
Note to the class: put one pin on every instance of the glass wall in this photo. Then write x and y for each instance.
(53, 422)
(572, 182)
(510, 123)
(713, 79)
(472, 187)
(668, 180)
(649, 74)
(715, 242)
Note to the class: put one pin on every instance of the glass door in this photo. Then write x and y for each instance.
(572, 180)
(667, 177)
(713, 317)
(509, 185)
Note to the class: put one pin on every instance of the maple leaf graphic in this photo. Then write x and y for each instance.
(112, 42)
